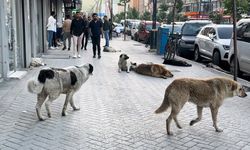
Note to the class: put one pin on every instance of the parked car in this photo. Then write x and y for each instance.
(189, 31)
(177, 28)
(243, 48)
(144, 29)
(134, 29)
(213, 42)
(118, 28)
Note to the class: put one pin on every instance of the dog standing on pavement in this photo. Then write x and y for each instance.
(203, 93)
(55, 81)
(154, 70)
(123, 63)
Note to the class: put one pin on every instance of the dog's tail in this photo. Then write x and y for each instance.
(35, 86)
(164, 106)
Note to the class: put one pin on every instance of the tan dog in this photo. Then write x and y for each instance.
(203, 93)
(154, 70)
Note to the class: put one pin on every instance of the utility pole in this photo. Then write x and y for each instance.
(235, 41)
(154, 30)
(111, 17)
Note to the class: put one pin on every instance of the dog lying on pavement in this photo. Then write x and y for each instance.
(55, 81)
(154, 70)
(203, 93)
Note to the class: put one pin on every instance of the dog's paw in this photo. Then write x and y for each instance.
(192, 122)
(64, 113)
(76, 109)
(49, 115)
(218, 130)
(170, 133)
(41, 119)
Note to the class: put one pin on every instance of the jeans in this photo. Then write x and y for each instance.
(96, 43)
(50, 37)
(106, 35)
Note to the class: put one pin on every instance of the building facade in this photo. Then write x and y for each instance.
(23, 31)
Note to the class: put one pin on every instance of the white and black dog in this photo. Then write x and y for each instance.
(55, 81)
(124, 64)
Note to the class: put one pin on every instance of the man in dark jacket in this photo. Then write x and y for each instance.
(106, 28)
(77, 29)
(95, 31)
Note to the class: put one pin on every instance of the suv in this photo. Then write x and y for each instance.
(243, 47)
(213, 42)
(188, 34)
(144, 29)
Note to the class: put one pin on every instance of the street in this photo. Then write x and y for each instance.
(117, 110)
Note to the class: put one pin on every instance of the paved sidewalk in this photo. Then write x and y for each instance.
(117, 111)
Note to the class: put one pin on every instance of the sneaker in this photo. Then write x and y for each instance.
(74, 56)
(51, 47)
(99, 56)
(94, 56)
(56, 47)
(79, 56)
(64, 48)
(85, 48)
(68, 49)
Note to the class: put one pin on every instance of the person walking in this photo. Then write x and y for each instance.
(76, 29)
(66, 32)
(86, 32)
(106, 28)
(95, 30)
(51, 28)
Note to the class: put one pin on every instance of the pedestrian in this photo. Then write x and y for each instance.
(51, 29)
(106, 28)
(86, 32)
(95, 30)
(66, 32)
(76, 29)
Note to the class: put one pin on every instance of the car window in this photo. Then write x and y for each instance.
(246, 34)
(225, 32)
(205, 31)
(191, 29)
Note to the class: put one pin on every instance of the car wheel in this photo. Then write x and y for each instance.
(239, 73)
(216, 58)
(197, 56)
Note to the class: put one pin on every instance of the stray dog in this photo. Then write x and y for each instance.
(124, 64)
(203, 93)
(154, 70)
(110, 49)
(55, 81)
(176, 62)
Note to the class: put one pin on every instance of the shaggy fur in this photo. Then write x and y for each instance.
(154, 70)
(55, 81)
(123, 63)
(204, 93)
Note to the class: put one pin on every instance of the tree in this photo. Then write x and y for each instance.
(216, 17)
(146, 16)
(162, 14)
(243, 7)
(133, 13)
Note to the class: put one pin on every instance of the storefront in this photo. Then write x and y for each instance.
(21, 35)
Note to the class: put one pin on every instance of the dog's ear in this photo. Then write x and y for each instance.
(91, 69)
(121, 55)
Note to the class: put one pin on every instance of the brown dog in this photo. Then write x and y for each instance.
(203, 93)
(154, 70)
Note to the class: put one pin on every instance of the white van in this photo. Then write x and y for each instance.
(243, 47)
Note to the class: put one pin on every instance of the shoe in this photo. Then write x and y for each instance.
(94, 56)
(85, 48)
(51, 47)
(79, 56)
(68, 49)
(74, 56)
(56, 47)
(64, 48)
(99, 56)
